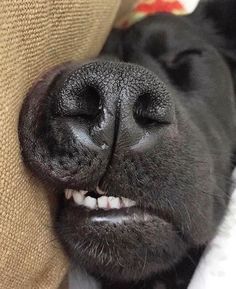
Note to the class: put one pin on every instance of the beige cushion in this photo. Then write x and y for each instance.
(34, 36)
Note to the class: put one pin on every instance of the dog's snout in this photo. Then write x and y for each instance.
(91, 110)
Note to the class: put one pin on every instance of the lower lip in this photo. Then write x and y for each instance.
(112, 216)
(97, 233)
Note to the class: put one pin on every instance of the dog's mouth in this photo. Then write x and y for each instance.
(106, 229)
(100, 207)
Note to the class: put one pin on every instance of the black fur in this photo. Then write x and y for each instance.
(152, 119)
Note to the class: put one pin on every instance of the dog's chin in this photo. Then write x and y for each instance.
(123, 244)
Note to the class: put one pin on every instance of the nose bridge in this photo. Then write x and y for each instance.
(111, 82)
(129, 132)
(118, 85)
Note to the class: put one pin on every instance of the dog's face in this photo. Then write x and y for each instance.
(151, 123)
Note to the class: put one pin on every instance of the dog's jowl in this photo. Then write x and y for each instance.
(141, 140)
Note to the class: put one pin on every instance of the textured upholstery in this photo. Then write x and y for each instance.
(35, 35)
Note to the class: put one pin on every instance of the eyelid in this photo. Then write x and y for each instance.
(187, 52)
(171, 60)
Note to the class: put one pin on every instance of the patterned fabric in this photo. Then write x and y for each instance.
(144, 8)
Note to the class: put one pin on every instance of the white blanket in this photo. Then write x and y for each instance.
(217, 268)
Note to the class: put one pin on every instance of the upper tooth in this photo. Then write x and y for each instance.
(90, 202)
(128, 202)
(78, 198)
(83, 192)
(68, 193)
(114, 203)
(103, 202)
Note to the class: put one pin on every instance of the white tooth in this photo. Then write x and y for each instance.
(132, 203)
(103, 202)
(114, 203)
(78, 198)
(68, 193)
(90, 203)
(83, 192)
(99, 191)
(128, 202)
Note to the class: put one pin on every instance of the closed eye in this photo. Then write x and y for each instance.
(183, 54)
(172, 61)
(179, 67)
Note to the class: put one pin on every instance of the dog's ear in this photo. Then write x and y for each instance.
(218, 19)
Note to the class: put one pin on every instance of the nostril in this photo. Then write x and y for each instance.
(89, 103)
(141, 111)
(84, 103)
(151, 110)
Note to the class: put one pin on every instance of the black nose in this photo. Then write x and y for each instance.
(109, 102)
(90, 110)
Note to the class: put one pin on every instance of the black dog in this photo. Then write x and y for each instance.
(152, 122)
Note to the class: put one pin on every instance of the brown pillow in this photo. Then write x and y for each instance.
(34, 36)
